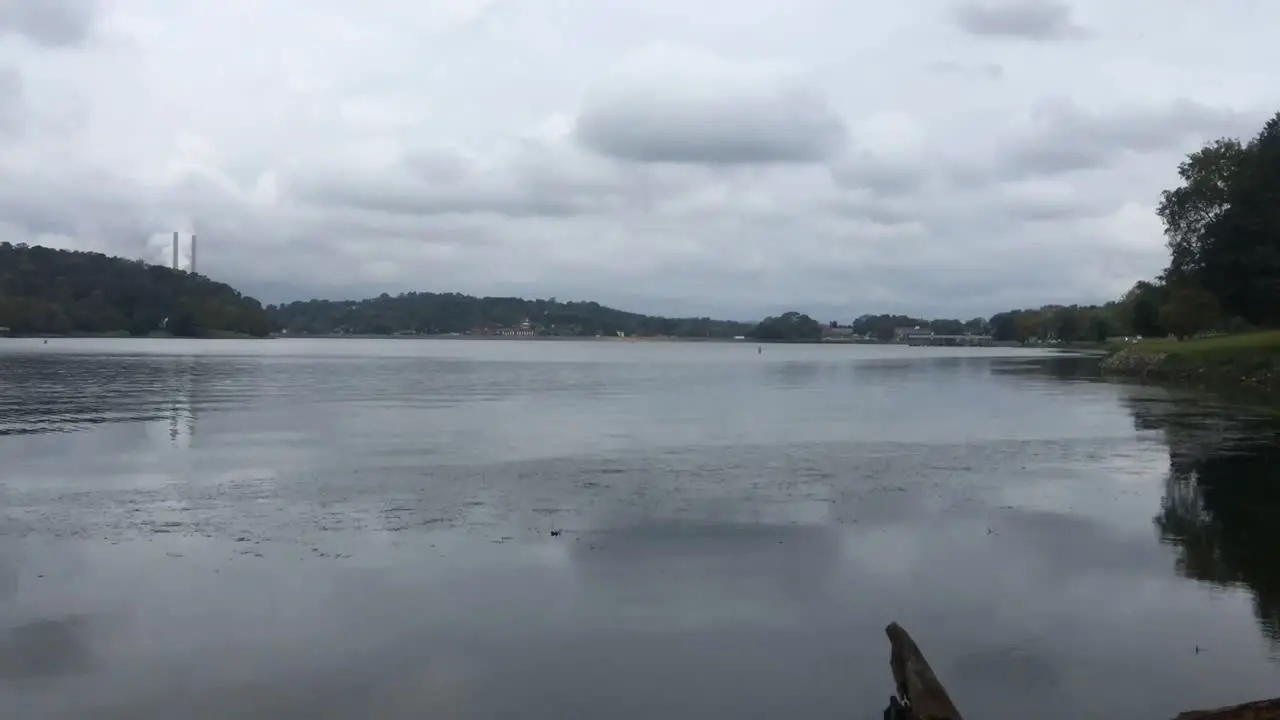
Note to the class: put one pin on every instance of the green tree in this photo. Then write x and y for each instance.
(1100, 327)
(1004, 326)
(1189, 310)
(1027, 326)
(1223, 225)
(947, 326)
(1067, 324)
(1141, 308)
(1146, 318)
(882, 327)
(1203, 198)
(788, 327)
(1240, 260)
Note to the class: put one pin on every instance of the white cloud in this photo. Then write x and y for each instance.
(929, 156)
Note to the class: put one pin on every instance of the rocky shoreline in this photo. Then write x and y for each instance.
(1148, 365)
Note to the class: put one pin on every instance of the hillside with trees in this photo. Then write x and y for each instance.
(446, 313)
(59, 292)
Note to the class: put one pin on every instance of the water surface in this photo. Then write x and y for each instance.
(350, 528)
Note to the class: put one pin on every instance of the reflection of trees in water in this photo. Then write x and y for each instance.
(182, 416)
(48, 647)
(793, 373)
(1222, 499)
(66, 393)
(1060, 367)
(695, 566)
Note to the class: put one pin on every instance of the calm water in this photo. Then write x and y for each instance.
(344, 528)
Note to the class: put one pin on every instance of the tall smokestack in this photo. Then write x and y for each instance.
(193, 254)
(175, 250)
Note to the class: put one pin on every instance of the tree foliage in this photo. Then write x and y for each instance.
(882, 327)
(48, 291)
(1202, 199)
(1189, 310)
(788, 327)
(1142, 306)
(1223, 228)
(446, 313)
(1061, 323)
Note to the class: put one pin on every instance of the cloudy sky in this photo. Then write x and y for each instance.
(952, 157)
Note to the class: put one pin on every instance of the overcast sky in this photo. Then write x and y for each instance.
(952, 157)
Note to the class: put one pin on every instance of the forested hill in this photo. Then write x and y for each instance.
(445, 313)
(43, 290)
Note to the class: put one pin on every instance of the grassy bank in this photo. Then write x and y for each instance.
(1251, 359)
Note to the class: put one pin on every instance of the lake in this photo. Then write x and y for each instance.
(554, 530)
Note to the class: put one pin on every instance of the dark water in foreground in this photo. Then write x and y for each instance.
(326, 529)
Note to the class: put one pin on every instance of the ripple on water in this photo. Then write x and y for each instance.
(297, 527)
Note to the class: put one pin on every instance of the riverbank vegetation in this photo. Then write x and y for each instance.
(1251, 359)
(44, 291)
(1223, 279)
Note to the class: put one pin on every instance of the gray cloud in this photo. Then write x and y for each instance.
(811, 162)
(781, 127)
(11, 101)
(989, 70)
(1027, 19)
(1040, 201)
(448, 183)
(879, 176)
(877, 210)
(1066, 138)
(398, 196)
(53, 23)
(707, 112)
(1140, 129)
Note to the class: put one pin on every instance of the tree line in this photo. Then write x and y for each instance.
(445, 313)
(59, 292)
(49, 291)
(798, 327)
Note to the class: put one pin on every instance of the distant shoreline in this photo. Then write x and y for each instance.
(219, 335)
(502, 338)
(532, 338)
(278, 336)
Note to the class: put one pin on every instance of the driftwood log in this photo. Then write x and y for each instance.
(1260, 710)
(920, 695)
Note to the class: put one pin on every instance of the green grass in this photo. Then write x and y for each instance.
(1246, 351)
